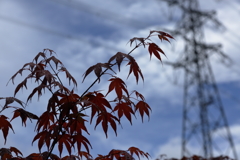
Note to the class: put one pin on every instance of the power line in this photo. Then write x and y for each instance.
(112, 16)
(53, 32)
(37, 27)
(80, 6)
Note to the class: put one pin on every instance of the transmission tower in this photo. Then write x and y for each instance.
(205, 128)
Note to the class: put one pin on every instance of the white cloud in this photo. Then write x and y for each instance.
(172, 148)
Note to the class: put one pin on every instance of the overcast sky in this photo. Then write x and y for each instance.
(84, 32)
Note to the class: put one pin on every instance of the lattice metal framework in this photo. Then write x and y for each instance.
(205, 128)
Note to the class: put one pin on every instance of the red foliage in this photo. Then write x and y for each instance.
(4, 126)
(62, 124)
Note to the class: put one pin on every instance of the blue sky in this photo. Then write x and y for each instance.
(84, 33)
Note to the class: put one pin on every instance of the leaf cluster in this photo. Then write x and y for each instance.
(63, 124)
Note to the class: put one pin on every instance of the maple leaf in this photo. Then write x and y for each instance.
(37, 73)
(18, 72)
(4, 126)
(62, 88)
(120, 155)
(40, 54)
(98, 103)
(15, 150)
(119, 86)
(80, 139)
(53, 102)
(24, 115)
(34, 156)
(101, 157)
(71, 157)
(138, 152)
(9, 100)
(66, 140)
(55, 60)
(48, 77)
(106, 118)
(162, 35)
(38, 90)
(21, 85)
(119, 56)
(124, 109)
(31, 66)
(97, 69)
(67, 104)
(45, 120)
(135, 69)
(69, 76)
(5, 154)
(76, 125)
(143, 107)
(153, 48)
(52, 156)
(49, 50)
(141, 40)
(139, 95)
(72, 97)
(127, 156)
(114, 153)
(85, 154)
(44, 137)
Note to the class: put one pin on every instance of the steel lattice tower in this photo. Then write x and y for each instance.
(204, 122)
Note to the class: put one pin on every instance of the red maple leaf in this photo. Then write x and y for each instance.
(4, 126)
(138, 152)
(143, 108)
(98, 103)
(55, 60)
(135, 69)
(141, 40)
(97, 68)
(124, 108)
(153, 48)
(24, 115)
(162, 35)
(15, 150)
(119, 86)
(105, 118)
(44, 138)
(69, 76)
(81, 140)
(119, 56)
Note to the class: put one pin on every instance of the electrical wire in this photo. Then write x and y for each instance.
(106, 14)
(53, 32)
(80, 6)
